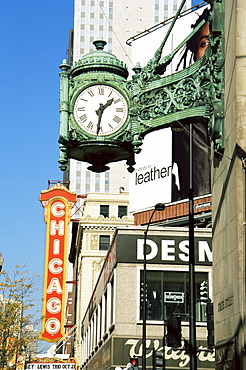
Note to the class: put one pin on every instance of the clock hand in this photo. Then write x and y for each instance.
(100, 111)
(102, 107)
(108, 103)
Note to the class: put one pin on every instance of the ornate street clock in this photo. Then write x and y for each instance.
(95, 121)
(104, 117)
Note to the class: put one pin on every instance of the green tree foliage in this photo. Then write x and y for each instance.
(16, 322)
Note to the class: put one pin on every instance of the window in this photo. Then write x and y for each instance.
(87, 181)
(104, 210)
(122, 211)
(104, 241)
(106, 178)
(161, 300)
(97, 176)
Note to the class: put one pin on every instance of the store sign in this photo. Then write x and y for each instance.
(116, 352)
(163, 249)
(58, 202)
(174, 297)
(170, 251)
(175, 358)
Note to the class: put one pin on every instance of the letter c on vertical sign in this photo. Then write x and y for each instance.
(54, 305)
(54, 266)
(57, 209)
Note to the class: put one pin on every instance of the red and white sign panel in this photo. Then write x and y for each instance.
(58, 202)
(52, 363)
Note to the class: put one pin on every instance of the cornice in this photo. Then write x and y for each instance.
(113, 220)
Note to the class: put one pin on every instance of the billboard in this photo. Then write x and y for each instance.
(162, 168)
(151, 181)
(58, 202)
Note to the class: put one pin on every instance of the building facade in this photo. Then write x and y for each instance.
(111, 330)
(91, 238)
(228, 188)
(117, 21)
(94, 229)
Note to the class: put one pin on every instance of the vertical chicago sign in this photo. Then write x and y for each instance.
(58, 202)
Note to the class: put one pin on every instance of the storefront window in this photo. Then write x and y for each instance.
(168, 295)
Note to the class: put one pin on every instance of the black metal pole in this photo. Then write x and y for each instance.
(164, 345)
(193, 358)
(144, 301)
(158, 207)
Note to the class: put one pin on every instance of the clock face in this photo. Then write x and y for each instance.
(100, 110)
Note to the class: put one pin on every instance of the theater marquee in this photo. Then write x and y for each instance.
(58, 202)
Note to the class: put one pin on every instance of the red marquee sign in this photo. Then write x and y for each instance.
(58, 202)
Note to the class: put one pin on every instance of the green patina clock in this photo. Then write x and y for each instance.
(104, 117)
(95, 121)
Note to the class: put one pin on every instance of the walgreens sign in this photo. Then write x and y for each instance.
(58, 202)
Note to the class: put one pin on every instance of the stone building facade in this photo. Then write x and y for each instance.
(229, 207)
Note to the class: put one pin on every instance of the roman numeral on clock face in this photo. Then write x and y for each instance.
(90, 126)
(83, 118)
(101, 90)
(117, 119)
(91, 92)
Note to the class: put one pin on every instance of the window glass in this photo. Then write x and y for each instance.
(87, 181)
(104, 210)
(104, 241)
(122, 211)
(168, 295)
(112, 302)
(106, 178)
(97, 176)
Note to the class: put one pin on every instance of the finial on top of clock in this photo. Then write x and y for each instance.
(99, 61)
(99, 43)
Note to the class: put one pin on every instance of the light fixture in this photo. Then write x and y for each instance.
(158, 207)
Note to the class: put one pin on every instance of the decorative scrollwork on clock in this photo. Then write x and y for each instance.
(185, 94)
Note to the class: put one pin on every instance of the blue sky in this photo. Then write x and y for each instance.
(194, 2)
(34, 38)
